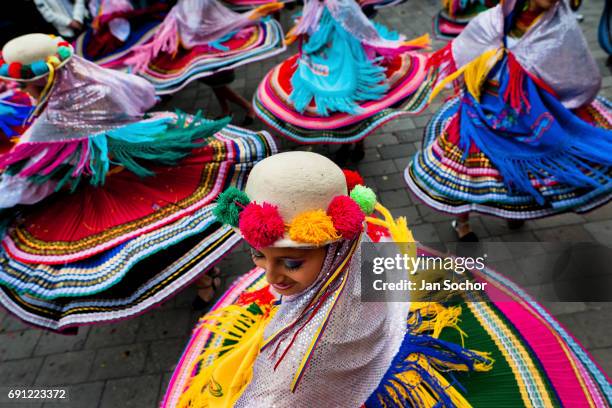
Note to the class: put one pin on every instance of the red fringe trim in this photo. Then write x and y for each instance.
(443, 63)
(443, 59)
(515, 92)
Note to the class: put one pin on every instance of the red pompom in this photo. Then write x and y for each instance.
(261, 225)
(14, 70)
(346, 216)
(352, 179)
(63, 44)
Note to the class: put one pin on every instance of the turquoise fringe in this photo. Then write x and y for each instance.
(163, 141)
(385, 32)
(159, 142)
(335, 71)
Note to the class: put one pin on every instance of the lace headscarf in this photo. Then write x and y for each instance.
(554, 49)
(87, 99)
(190, 23)
(349, 15)
(351, 354)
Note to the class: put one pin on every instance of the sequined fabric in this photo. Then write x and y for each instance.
(353, 353)
(353, 20)
(554, 49)
(202, 21)
(87, 99)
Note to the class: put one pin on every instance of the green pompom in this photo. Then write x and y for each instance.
(365, 197)
(227, 210)
(63, 52)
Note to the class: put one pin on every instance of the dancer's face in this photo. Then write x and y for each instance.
(290, 270)
(543, 4)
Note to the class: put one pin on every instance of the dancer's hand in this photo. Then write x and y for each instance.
(75, 25)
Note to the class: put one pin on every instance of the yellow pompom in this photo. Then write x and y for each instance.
(313, 227)
(53, 60)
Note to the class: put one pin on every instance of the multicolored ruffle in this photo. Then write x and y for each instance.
(409, 87)
(126, 246)
(171, 73)
(455, 16)
(448, 180)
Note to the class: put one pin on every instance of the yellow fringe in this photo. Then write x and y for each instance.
(223, 378)
(436, 317)
(425, 394)
(398, 228)
(290, 37)
(474, 73)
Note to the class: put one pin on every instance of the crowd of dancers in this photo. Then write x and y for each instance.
(109, 208)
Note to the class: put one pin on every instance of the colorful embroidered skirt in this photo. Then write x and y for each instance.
(537, 362)
(106, 50)
(169, 73)
(108, 253)
(447, 181)
(409, 88)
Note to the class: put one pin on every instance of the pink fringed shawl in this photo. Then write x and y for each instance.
(192, 23)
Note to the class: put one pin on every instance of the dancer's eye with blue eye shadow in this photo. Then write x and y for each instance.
(293, 264)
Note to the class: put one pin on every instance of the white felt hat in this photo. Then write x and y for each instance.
(35, 51)
(295, 182)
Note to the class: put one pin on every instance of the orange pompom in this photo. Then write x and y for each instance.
(313, 227)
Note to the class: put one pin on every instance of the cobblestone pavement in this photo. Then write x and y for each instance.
(129, 364)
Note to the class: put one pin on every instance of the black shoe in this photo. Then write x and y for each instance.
(469, 237)
(515, 224)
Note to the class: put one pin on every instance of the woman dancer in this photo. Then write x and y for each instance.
(295, 331)
(350, 77)
(527, 136)
(133, 192)
(200, 38)
(117, 28)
